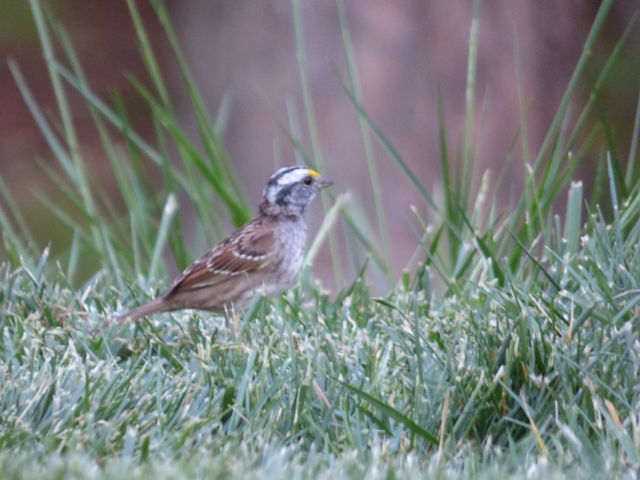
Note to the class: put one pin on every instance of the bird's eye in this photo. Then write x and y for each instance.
(308, 180)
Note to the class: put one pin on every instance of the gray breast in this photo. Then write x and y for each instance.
(293, 238)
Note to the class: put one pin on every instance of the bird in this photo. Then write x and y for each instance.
(264, 254)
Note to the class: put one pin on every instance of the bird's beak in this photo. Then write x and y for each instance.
(323, 183)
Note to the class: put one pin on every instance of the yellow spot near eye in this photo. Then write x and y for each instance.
(313, 173)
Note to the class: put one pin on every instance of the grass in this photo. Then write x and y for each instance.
(511, 350)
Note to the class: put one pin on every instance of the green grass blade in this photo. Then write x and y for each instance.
(630, 176)
(388, 146)
(573, 218)
(168, 213)
(365, 133)
(310, 118)
(393, 413)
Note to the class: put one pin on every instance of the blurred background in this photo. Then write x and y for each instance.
(408, 53)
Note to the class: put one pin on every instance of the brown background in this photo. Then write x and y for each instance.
(408, 51)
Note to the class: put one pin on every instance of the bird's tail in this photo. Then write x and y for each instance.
(154, 306)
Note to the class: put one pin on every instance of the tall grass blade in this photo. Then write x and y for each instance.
(388, 146)
(310, 117)
(631, 177)
(365, 133)
(168, 213)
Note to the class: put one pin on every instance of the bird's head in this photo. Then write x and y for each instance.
(290, 190)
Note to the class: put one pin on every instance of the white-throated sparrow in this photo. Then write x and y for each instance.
(266, 253)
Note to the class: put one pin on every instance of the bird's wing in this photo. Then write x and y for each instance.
(248, 250)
